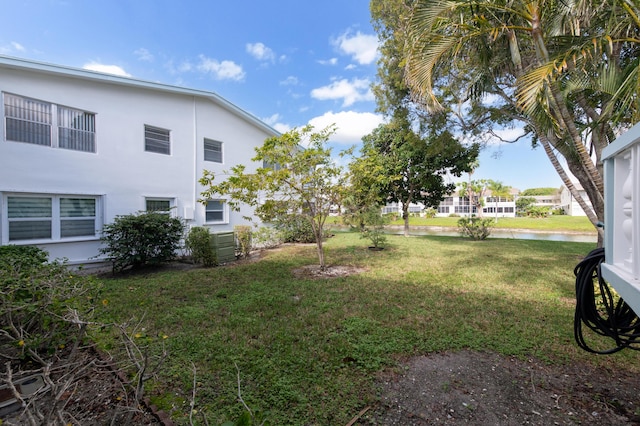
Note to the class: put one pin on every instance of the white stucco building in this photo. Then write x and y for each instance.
(79, 148)
(568, 202)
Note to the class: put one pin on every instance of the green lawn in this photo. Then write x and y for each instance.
(551, 223)
(308, 351)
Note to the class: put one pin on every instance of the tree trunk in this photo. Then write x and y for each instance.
(405, 216)
(317, 232)
(320, 249)
(590, 212)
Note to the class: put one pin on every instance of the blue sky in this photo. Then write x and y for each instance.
(288, 62)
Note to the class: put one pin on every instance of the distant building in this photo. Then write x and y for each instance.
(569, 204)
(457, 205)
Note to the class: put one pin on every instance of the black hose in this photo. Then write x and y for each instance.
(600, 312)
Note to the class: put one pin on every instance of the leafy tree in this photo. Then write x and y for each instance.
(414, 166)
(523, 204)
(474, 191)
(293, 179)
(366, 178)
(532, 192)
(568, 71)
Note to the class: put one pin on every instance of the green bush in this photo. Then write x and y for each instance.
(538, 211)
(199, 242)
(266, 237)
(141, 239)
(294, 228)
(41, 304)
(374, 227)
(21, 257)
(430, 213)
(243, 239)
(476, 228)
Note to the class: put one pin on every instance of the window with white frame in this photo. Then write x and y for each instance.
(33, 121)
(157, 140)
(212, 150)
(50, 217)
(160, 205)
(76, 130)
(215, 211)
(157, 205)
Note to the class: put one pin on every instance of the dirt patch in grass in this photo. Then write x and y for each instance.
(488, 389)
(314, 271)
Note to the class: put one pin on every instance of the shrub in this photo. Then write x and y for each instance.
(558, 211)
(140, 239)
(40, 304)
(199, 242)
(21, 257)
(266, 237)
(243, 239)
(430, 213)
(295, 228)
(538, 211)
(374, 227)
(476, 228)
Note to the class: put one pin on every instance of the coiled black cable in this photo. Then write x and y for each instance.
(606, 316)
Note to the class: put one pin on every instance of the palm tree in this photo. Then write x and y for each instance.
(498, 190)
(563, 68)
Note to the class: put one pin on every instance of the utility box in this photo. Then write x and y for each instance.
(224, 244)
(621, 267)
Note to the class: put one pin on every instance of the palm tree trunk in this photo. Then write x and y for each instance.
(589, 211)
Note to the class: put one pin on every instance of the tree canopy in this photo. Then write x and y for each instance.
(411, 168)
(297, 175)
(531, 192)
(567, 72)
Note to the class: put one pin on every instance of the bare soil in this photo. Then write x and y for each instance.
(480, 388)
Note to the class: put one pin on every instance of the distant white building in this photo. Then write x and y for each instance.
(491, 206)
(78, 148)
(569, 204)
(457, 205)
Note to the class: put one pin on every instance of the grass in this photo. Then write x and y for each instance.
(551, 223)
(309, 351)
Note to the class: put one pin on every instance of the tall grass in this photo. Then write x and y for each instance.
(308, 351)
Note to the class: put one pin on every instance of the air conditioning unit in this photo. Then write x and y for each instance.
(621, 267)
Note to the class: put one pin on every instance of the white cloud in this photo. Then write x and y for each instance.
(290, 81)
(351, 125)
(274, 122)
(281, 127)
(331, 61)
(349, 91)
(11, 48)
(261, 52)
(363, 48)
(143, 54)
(108, 69)
(225, 70)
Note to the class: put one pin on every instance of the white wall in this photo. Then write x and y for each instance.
(121, 171)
